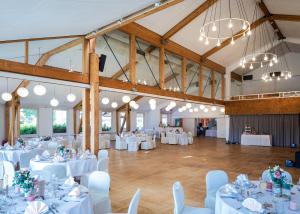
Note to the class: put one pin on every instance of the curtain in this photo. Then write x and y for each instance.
(284, 128)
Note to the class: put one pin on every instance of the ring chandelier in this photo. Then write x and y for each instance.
(261, 58)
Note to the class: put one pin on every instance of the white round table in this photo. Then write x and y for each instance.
(233, 206)
(13, 155)
(76, 167)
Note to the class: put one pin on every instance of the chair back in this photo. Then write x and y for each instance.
(214, 180)
(178, 195)
(102, 165)
(58, 171)
(134, 203)
(102, 154)
(25, 159)
(131, 139)
(99, 182)
(52, 146)
(267, 177)
(9, 172)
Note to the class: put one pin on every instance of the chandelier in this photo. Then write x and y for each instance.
(219, 25)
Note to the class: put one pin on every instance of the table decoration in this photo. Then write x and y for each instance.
(20, 143)
(24, 182)
(36, 207)
(279, 180)
(252, 205)
(70, 181)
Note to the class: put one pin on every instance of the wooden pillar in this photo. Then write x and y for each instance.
(213, 85)
(162, 67)
(86, 129)
(127, 115)
(7, 119)
(223, 87)
(200, 80)
(17, 129)
(94, 96)
(132, 59)
(75, 122)
(11, 135)
(183, 75)
(26, 52)
(85, 56)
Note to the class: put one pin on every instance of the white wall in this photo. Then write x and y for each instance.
(2, 122)
(189, 125)
(152, 119)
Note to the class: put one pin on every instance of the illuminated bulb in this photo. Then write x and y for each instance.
(281, 74)
(253, 58)
(6, 96)
(180, 110)
(172, 104)
(152, 107)
(214, 27)
(206, 42)
(271, 64)
(200, 38)
(244, 26)
(251, 67)
(230, 25)
(105, 100)
(145, 83)
(196, 110)
(213, 108)
(278, 78)
(132, 103)
(218, 43)
(202, 107)
(241, 63)
(276, 61)
(266, 57)
(243, 66)
(22, 92)
(273, 74)
(191, 110)
(249, 33)
(54, 102)
(71, 97)
(289, 75)
(114, 104)
(152, 102)
(139, 81)
(222, 109)
(261, 65)
(39, 90)
(188, 105)
(232, 41)
(125, 99)
(244, 60)
(136, 106)
(205, 110)
(183, 108)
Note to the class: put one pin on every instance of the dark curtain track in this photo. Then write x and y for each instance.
(284, 128)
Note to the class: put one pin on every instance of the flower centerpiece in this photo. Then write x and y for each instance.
(63, 151)
(24, 181)
(21, 142)
(279, 180)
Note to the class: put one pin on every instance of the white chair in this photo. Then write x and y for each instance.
(214, 180)
(58, 171)
(25, 159)
(171, 138)
(190, 138)
(180, 208)
(163, 139)
(183, 139)
(102, 165)
(120, 143)
(146, 145)
(52, 146)
(98, 185)
(132, 143)
(154, 141)
(134, 203)
(267, 177)
(104, 141)
(102, 154)
(8, 172)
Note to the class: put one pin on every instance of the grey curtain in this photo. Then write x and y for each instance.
(284, 128)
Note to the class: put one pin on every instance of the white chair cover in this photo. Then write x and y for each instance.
(134, 203)
(154, 141)
(146, 145)
(183, 139)
(214, 180)
(171, 138)
(102, 154)
(25, 159)
(267, 177)
(190, 138)
(58, 171)
(102, 165)
(163, 139)
(9, 173)
(52, 146)
(98, 185)
(104, 141)
(180, 208)
(120, 143)
(132, 143)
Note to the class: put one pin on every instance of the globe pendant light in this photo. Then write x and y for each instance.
(54, 102)
(126, 99)
(105, 101)
(114, 104)
(22, 92)
(39, 90)
(132, 103)
(71, 97)
(6, 96)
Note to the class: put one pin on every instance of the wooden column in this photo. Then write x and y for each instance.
(11, 134)
(213, 85)
(75, 122)
(223, 87)
(132, 59)
(200, 80)
(162, 67)
(86, 128)
(94, 96)
(183, 75)
(18, 109)
(7, 118)
(127, 115)
(26, 52)
(85, 57)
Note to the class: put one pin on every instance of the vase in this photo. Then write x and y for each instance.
(277, 190)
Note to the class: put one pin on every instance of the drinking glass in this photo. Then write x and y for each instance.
(279, 207)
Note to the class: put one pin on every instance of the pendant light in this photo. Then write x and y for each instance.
(6, 96)
(114, 104)
(54, 102)
(126, 99)
(22, 92)
(39, 90)
(71, 97)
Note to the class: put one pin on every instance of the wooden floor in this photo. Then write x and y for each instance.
(155, 171)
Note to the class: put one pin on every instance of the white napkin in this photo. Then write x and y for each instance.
(228, 189)
(36, 207)
(75, 192)
(58, 158)
(37, 158)
(46, 154)
(70, 181)
(83, 156)
(83, 189)
(252, 204)
(7, 146)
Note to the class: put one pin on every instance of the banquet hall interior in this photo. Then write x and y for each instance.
(170, 106)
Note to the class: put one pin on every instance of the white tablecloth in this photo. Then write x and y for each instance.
(13, 155)
(233, 206)
(74, 167)
(256, 140)
(211, 133)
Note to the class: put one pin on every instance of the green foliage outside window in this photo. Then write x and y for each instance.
(59, 128)
(28, 121)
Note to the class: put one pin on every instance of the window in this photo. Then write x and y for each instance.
(122, 118)
(140, 121)
(59, 121)
(106, 121)
(164, 119)
(28, 121)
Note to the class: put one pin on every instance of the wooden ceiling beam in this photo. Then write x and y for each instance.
(39, 38)
(267, 13)
(197, 12)
(149, 10)
(286, 17)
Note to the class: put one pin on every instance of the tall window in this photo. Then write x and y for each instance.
(106, 121)
(140, 121)
(164, 119)
(59, 121)
(28, 121)
(122, 118)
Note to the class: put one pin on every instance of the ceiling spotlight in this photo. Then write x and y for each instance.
(213, 108)
(114, 104)
(205, 110)
(132, 103)
(222, 109)
(39, 90)
(125, 99)
(230, 25)
(273, 74)
(71, 97)
(6, 96)
(202, 107)
(22, 92)
(188, 105)
(105, 101)
(54, 102)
